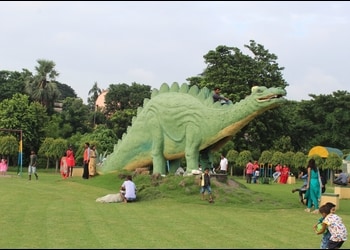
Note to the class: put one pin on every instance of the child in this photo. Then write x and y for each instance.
(335, 225)
(205, 184)
(64, 166)
(256, 175)
(326, 234)
(3, 166)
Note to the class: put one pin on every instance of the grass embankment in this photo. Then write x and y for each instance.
(56, 213)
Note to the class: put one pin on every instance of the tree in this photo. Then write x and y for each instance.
(232, 156)
(45, 149)
(9, 147)
(12, 82)
(123, 96)
(94, 93)
(42, 86)
(75, 117)
(31, 118)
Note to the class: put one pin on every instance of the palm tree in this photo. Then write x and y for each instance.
(95, 92)
(42, 86)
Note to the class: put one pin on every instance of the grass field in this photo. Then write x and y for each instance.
(56, 213)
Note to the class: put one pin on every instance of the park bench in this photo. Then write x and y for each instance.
(343, 191)
(330, 197)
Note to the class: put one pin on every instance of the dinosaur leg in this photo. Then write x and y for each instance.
(159, 163)
(192, 148)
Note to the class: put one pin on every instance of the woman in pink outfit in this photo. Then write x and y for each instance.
(3, 166)
(70, 161)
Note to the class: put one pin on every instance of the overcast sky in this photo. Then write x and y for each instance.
(151, 43)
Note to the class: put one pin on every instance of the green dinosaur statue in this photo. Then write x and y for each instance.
(179, 122)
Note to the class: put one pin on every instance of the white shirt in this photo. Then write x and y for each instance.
(223, 164)
(130, 189)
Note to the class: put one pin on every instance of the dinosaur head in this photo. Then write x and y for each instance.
(267, 97)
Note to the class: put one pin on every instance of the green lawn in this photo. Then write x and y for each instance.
(56, 213)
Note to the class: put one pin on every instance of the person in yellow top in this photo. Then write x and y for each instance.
(92, 162)
(205, 184)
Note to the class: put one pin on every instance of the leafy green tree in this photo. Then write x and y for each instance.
(31, 118)
(283, 144)
(75, 117)
(120, 121)
(42, 86)
(299, 160)
(243, 158)
(65, 90)
(232, 156)
(9, 147)
(123, 96)
(266, 157)
(94, 93)
(45, 149)
(57, 149)
(12, 82)
(277, 158)
(324, 120)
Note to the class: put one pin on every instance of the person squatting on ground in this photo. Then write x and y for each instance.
(302, 189)
(326, 235)
(32, 165)
(335, 226)
(128, 190)
(205, 184)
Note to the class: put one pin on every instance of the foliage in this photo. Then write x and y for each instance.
(42, 86)
(75, 117)
(333, 162)
(31, 118)
(265, 157)
(277, 158)
(123, 96)
(243, 158)
(9, 147)
(299, 160)
(11, 82)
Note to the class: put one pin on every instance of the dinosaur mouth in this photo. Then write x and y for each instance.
(270, 97)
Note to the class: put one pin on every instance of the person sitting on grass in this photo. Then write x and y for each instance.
(342, 179)
(128, 190)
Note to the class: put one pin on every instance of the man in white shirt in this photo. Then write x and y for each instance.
(223, 165)
(128, 190)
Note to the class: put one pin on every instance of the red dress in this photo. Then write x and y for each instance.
(284, 174)
(70, 158)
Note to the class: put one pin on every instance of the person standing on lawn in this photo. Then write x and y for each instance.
(314, 187)
(70, 160)
(32, 165)
(205, 184)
